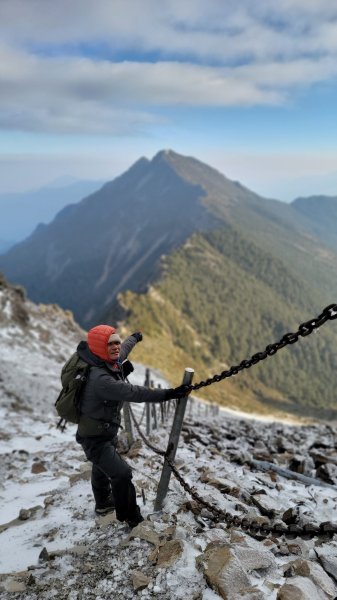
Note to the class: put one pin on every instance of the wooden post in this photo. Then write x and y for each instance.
(173, 442)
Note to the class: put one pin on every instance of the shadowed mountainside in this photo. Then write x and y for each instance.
(210, 271)
(113, 240)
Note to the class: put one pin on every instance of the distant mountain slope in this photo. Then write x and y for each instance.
(113, 240)
(110, 241)
(22, 212)
(208, 269)
(321, 217)
(5, 245)
(220, 300)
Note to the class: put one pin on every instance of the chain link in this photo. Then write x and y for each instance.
(252, 527)
(145, 440)
(328, 314)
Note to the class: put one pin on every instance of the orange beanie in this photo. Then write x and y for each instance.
(98, 338)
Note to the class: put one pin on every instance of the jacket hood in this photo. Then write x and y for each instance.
(85, 353)
(98, 338)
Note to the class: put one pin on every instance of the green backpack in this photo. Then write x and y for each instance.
(74, 374)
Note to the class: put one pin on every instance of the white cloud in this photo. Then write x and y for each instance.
(216, 28)
(82, 95)
(207, 54)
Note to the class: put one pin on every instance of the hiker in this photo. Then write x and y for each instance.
(101, 402)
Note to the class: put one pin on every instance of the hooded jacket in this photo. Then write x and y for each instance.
(106, 390)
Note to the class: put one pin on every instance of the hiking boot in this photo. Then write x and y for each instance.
(134, 522)
(105, 507)
(135, 518)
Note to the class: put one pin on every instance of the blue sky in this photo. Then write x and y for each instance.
(89, 86)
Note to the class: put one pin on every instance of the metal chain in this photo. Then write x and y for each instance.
(328, 314)
(251, 527)
(145, 440)
(174, 469)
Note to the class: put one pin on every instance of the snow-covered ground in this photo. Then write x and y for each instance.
(51, 543)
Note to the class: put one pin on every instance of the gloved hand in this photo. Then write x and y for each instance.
(180, 392)
(127, 367)
(138, 335)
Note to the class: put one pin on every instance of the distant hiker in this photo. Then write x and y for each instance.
(101, 403)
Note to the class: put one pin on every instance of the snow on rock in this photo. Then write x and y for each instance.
(53, 546)
(35, 340)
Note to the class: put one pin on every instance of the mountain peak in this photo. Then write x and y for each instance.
(164, 154)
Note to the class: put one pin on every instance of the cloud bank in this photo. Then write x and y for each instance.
(96, 66)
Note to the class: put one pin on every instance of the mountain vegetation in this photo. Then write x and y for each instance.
(321, 213)
(208, 269)
(220, 300)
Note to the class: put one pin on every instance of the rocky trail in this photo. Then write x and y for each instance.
(183, 551)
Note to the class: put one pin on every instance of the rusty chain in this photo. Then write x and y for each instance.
(145, 440)
(254, 528)
(251, 527)
(329, 313)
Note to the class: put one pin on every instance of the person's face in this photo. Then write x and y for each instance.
(113, 350)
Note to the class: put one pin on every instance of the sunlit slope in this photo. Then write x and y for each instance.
(220, 300)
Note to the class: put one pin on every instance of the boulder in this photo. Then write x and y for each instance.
(38, 467)
(169, 553)
(328, 559)
(251, 593)
(328, 473)
(140, 581)
(266, 505)
(82, 476)
(302, 464)
(145, 531)
(223, 570)
(300, 588)
(13, 585)
(314, 572)
(253, 559)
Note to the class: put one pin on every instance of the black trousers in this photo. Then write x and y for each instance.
(110, 474)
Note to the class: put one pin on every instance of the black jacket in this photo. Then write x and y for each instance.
(106, 390)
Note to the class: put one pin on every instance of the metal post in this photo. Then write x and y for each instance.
(173, 442)
(148, 418)
(128, 423)
(148, 405)
(147, 378)
(154, 416)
